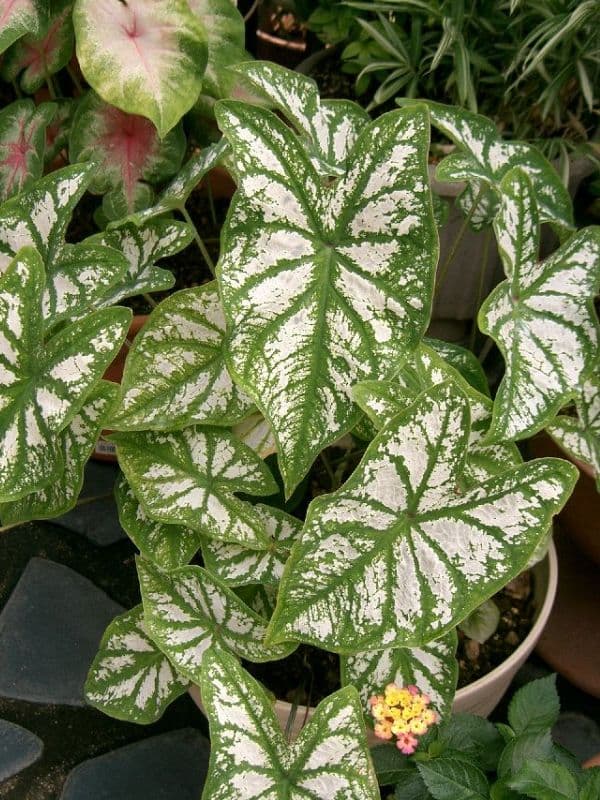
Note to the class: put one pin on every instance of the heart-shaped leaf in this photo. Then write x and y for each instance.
(479, 203)
(464, 361)
(175, 373)
(542, 317)
(433, 668)
(401, 553)
(323, 285)
(126, 146)
(238, 566)
(146, 57)
(257, 434)
(190, 477)
(250, 757)
(22, 143)
(76, 443)
(18, 17)
(44, 384)
(188, 609)
(130, 678)
(169, 546)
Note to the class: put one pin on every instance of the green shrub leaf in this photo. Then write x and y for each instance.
(534, 706)
(450, 778)
(543, 781)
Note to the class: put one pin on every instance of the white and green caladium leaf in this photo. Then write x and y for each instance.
(401, 553)
(238, 566)
(126, 146)
(18, 17)
(250, 758)
(433, 668)
(44, 384)
(479, 203)
(130, 678)
(188, 609)
(257, 434)
(463, 361)
(175, 374)
(22, 144)
(542, 317)
(580, 436)
(76, 443)
(323, 285)
(169, 546)
(189, 478)
(145, 57)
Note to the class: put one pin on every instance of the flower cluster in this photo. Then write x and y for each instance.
(403, 712)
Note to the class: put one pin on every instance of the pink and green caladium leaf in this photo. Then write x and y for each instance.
(175, 374)
(402, 552)
(22, 143)
(146, 57)
(250, 757)
(323, 284)
(189, 609)
(432, 667)
(18, 17)
(169, 546)
(190, 478)
(130, 678)
(76, 443)
(239, 566)
(44, 384)
(126, 146)
(542, 317)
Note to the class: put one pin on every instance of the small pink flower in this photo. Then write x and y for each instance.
(407, 743)
(413, 689)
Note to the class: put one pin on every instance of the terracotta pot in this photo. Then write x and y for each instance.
(272, 47)
(484, 694)
(594, 761)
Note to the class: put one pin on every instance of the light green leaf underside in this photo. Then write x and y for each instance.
(44, 384)
(433, 668)
(169, 546)
(130, 678)
(175, 374)
(250, 757)
(189, 478)
(22, 144)
(401, 553)
(323, 285)
(238, 566)
(542, 317)
(18, 17)
(189, 609)
(256, 432)
(146, 57)
(76, 443)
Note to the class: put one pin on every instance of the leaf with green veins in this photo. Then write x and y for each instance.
(22, 143)
(20, 17)
(449, 778)
(130, 678)
(463, 361)
(257, 434)
(44, 384)
(323, 285)
(542, 317)
(401, 553)
(32, 59)
(189, 609)
(145, 57)
(76, 443)
(390, 764)
(126, 146)
(238, 566)
(482, 622)
(591, 784)
(535, 706)
(523, 749)
(250, 757)
(433, 668)
(170, 546)
(479, 203)
(543, 781)
(175, 374)
(473, 736)
(189, 477)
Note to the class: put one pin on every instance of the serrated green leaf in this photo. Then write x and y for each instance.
(389, 763)
(323, 285)
(190, 477)
(482, 622)
(473, 736)
(189, 609)
(410, 786)
(250, 757)
(450, 778)
(145, 57)
(169, 546)
(401, 553)
(130, 678)
(175, 374)
(22, 143)
(522, 749)
(44, 384)
(18, 17)
(534, 706)
(542, 317)
(543, 781)
(591, 784)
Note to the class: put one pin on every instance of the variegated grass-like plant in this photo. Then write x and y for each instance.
(313, 332)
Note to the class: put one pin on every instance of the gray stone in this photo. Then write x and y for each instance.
(19, 748)
(50, 629)
(98, 521)
(167, 767)
(579, 734)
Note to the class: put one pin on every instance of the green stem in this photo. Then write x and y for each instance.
(17, 89)
(329, 470)
(51, 87)
(456, 243)
(150, 300)
(198, 240)
(482, 274)
(81, 502)
(211, 201)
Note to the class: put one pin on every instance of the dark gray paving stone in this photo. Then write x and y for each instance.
(19, 748)
(49, 633)
(578, 734)
(168, 767)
